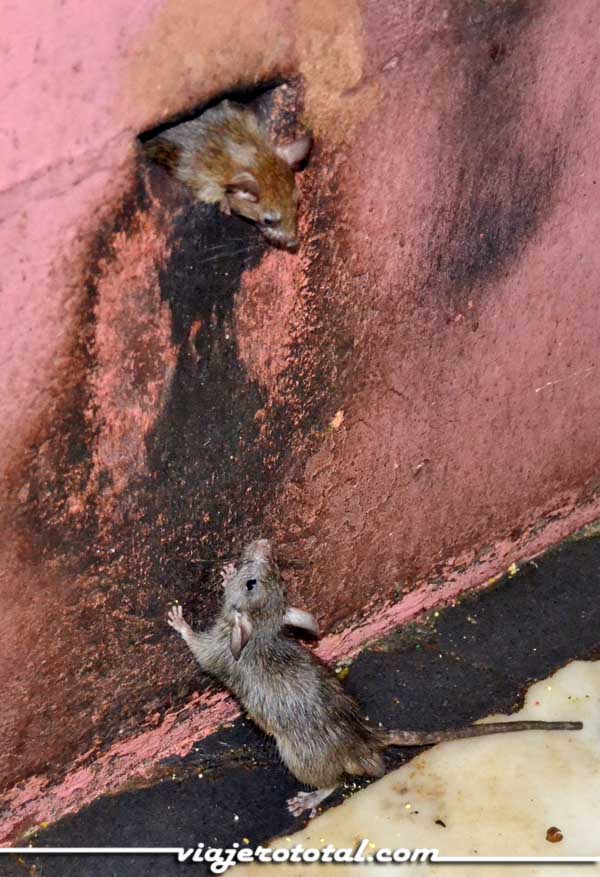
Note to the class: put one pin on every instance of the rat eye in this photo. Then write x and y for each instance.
(250, 584)
(271, 219)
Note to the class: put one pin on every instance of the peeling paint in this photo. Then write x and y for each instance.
(135, 358)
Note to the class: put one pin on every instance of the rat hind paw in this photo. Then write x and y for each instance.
(297, 805)
(176, 620)
(308, 801)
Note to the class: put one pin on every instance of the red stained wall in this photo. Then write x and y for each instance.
(409, 403)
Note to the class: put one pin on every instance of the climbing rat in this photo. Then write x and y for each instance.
(226, 158)
(290, 694)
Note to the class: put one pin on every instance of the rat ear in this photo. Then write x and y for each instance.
(240, 634)
(243, 185)
(300, 618)
(295, 153)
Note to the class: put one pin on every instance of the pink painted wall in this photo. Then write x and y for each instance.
(407, 406)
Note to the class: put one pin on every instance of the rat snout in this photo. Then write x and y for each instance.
(262, 550)
(284, 236)
(259, 551)
(281, 241)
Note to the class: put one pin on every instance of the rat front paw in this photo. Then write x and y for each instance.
(176, 620)
(227, 573)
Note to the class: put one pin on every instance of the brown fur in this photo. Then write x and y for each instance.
(164, 153)
(226, 158)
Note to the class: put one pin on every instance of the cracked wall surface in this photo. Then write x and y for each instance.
(406, 406)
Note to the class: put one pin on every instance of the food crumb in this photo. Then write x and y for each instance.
(554, 835)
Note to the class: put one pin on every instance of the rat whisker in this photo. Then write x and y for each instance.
(212, 560)
(226, 245)
(223, 256)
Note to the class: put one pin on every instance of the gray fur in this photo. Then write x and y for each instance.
(320, 733)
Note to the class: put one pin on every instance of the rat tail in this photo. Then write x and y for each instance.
(426, 738)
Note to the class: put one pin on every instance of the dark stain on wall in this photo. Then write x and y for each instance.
(204, 460)
(496, 186)
(204, 479)
(221, 446)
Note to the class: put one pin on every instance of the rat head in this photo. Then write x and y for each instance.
(255, 587)
(255, 599)
(266, 192)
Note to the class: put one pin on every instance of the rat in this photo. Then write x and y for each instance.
(226, 157)
(290, 694)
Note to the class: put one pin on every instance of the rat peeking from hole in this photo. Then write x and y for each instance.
(225, 157)
(319, 730)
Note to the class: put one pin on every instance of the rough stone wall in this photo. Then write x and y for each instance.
(412, 398)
